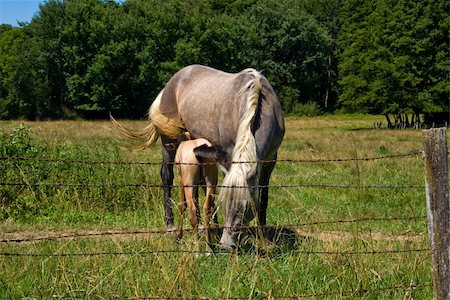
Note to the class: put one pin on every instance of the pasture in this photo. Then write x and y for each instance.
(347, 204)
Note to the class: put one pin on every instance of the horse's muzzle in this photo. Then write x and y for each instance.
(228, 240)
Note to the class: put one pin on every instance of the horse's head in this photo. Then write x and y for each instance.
(240, 207)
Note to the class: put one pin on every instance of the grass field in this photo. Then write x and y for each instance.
(352, 228)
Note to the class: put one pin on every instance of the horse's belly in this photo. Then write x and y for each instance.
(211, 120)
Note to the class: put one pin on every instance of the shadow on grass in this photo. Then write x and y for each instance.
(273, 241)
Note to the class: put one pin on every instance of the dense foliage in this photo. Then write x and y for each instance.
(394, 56)
(83, 58)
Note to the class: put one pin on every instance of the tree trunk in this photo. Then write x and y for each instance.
(388, 120)
(407, 124)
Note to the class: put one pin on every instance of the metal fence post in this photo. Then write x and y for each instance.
(438, 209)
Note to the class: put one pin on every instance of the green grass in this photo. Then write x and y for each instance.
(136, 266)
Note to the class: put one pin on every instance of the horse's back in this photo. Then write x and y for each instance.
(201, 84)
(210, 104)
(204, 100)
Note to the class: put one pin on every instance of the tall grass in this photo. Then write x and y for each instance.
(321, 260)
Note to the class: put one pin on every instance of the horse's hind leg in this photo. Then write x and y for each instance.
(167, 177)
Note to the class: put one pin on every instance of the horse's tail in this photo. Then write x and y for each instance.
(170, 127)
(144, 138)
(140, 139)
(244, 156)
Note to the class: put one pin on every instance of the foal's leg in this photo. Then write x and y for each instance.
(193, 212)
(181, 208)
(167, 176)
(210, 174)
(208, 210)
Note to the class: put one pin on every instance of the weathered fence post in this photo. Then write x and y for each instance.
(436, 185)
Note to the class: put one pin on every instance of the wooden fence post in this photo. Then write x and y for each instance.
(436, 185)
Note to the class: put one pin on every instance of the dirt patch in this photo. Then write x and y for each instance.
(326, 236)
(329, 236)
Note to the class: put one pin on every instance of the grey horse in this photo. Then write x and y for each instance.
(237, 112)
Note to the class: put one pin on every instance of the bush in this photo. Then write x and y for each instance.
(18, 144)
(309, 109)
(36, 179)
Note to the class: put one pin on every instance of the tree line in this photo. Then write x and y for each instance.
(85, 58)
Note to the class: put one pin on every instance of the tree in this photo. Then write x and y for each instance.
(392, 59)
(21, 86)
(327, 14)
(87, 57)
(293, 50)
(46, 29)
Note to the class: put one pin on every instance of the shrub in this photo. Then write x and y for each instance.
(310, 109)
(36, 177)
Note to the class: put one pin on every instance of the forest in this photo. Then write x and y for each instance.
(81, 59)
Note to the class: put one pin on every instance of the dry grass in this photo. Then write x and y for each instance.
(337, 137)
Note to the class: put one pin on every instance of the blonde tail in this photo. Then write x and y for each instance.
(145, 137)
(170, 127)
(159, 124)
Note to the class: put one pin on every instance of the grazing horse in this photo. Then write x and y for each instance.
(240, 113)
(196, 161)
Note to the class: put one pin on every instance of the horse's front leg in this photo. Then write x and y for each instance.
(167, 176)
(264, 178)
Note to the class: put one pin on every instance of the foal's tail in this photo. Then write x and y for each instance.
(159, 124)
(244, 154)
(205, 154)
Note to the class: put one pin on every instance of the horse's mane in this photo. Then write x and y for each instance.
(244, 154)
(245, 146)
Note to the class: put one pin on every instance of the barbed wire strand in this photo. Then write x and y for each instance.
(298, 296)
(176, 251)
(144, 185)
(168, 231)
(58, 160)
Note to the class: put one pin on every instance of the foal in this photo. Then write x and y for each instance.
(196, 161)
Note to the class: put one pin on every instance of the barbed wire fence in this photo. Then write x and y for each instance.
(162, 231)
(77, 235)
(146, 185)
